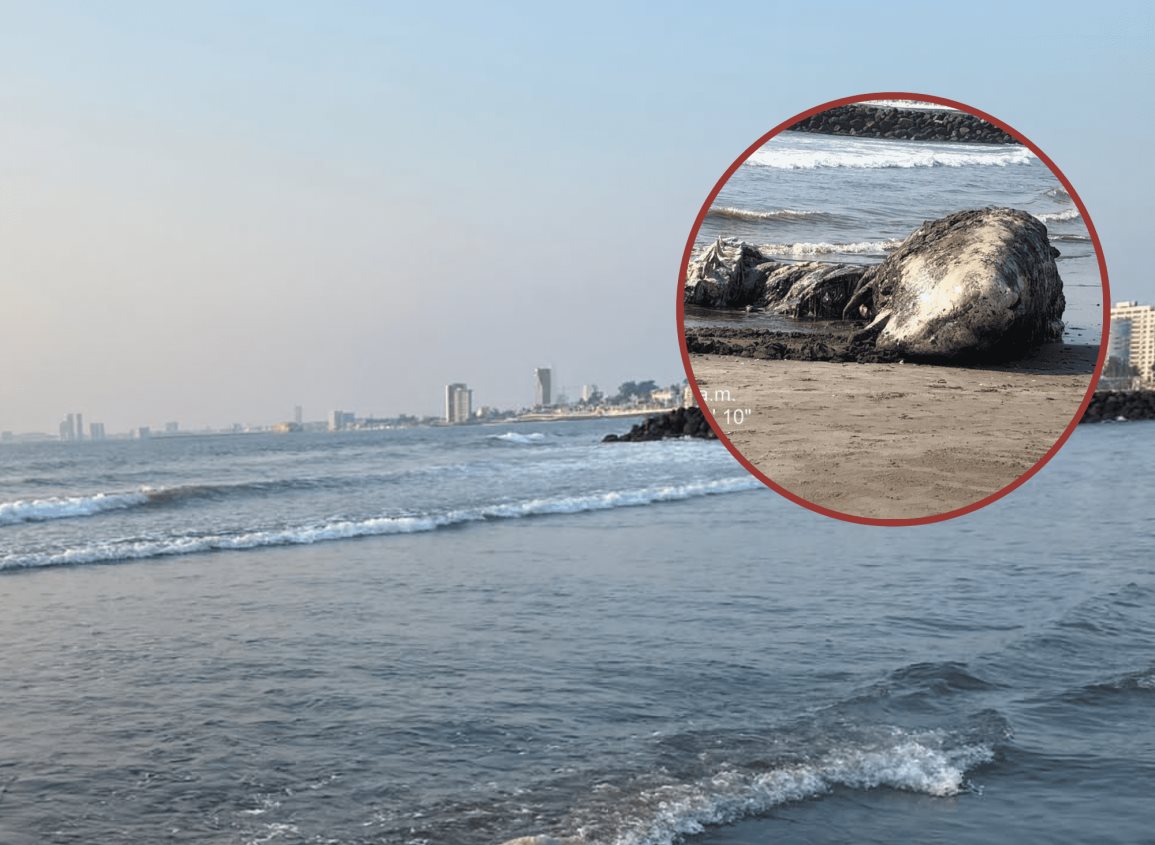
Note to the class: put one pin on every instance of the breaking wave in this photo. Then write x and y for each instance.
(914, 761)
(517, 437)
(778, 214)
(862, 247)
(1059, 216)
(67, 507)
(790, 155)
(344, 529)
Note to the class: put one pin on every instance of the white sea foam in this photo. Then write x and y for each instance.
(907, 104)
(67, 507)
(795, 154)
(118, 550)
(517, 437)
(912, 761)
(867, 247)
(778, 214)
(1059, 216)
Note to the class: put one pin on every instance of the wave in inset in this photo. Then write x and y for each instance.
(862, 247)
(920, 762)
(1059, 216)
(343, 529)
(865, 154)
(777, 214)
(67, 507)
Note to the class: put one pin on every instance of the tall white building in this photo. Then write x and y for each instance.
(542, 388)
(458, 403)
(1133, 332)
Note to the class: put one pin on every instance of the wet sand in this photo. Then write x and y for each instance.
(895, 440)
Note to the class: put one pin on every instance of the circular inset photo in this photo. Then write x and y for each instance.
(891, 308)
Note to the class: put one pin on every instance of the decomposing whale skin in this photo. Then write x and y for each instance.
(979, 283)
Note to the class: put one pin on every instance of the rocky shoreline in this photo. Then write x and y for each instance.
(1120, 406)
(682, 422)
(867, 121)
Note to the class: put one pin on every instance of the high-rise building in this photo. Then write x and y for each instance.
(96, 431)
(68, 428)
(340, 420)
(298, 414)
(542, 396)
(589, 391)
(458, 403)
(80, 426)
(1133, 329)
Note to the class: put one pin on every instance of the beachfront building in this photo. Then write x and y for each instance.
(1133, 336)
(543, 393)
(341, 420)
(458, 403)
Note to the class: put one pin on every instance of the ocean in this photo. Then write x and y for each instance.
(810, 197)
(464, 635)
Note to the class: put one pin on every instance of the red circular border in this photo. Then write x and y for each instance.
(681, 314)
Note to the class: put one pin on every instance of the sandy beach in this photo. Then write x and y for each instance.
(895, 441)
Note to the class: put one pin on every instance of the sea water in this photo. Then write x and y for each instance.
(463, 635)
(811, 197)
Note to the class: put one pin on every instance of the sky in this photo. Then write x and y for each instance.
(212, 212)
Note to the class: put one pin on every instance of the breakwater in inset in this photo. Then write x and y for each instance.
(903, 124)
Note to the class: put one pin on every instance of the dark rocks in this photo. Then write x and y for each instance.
(978, 284)
(1120, 405)
(867, 121)
(683, 422)
(837, 345)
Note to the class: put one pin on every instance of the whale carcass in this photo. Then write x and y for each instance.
(980, 283)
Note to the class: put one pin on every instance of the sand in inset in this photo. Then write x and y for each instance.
(895, 441)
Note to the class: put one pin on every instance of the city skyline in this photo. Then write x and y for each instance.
(210, 223)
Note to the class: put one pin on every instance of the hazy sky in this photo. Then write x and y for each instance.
(210, 212)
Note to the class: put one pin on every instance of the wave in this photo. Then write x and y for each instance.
(1073, 238)
(867, 154)
(779, 214)
(343, 529)
(1059, 216)
(67, 507)
(913, 761)
(517, 437)
(862, 247)
(907, 104)
(1058, 193)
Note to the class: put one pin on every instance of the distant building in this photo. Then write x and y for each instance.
(96, 431)
(688, 400)
(543, 394)
(589, 391)
(298, 414)
(1133, 335)
(341, 420)
(458, 403)
(143, 432)
(80, 426)
(171, 427)
(67, 432)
